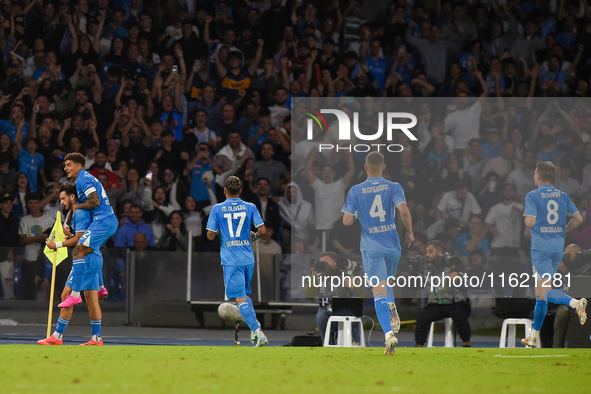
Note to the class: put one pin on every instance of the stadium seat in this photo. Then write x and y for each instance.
(511, 324)
(345, 331)
(449, 337)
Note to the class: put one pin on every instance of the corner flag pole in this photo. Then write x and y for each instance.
(49, 317)
(56, 256)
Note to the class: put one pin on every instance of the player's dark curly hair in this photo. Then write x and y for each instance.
(68, 187)
(233, 185)
(76, 158)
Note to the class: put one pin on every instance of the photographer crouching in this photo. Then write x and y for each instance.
(577, 262)
(323, 270)
(443, 301)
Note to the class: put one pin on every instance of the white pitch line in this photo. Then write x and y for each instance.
(539, 355)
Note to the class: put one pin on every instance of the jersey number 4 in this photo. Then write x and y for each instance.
(377, 209)
(237, 215)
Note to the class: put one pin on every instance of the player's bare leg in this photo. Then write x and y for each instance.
(95, 313)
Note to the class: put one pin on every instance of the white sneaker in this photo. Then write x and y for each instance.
(394, 318)
(530, 341)
(253, 338)
(581, 310)
(260, 339)
(391, 342)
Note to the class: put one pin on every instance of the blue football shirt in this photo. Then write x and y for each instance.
(87, 184)
(374, 201)
(550, 207)
(233, 218)
(80, 222)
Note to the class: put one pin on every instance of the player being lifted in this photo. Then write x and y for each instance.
(91, 197)
(373, 201)
(232, 220)
(86, 273)
(546, 209)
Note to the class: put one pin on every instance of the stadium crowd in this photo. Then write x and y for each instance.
(168, 98)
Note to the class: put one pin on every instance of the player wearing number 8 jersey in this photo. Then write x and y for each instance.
(546, 210)
(232, 219)
(373, 201)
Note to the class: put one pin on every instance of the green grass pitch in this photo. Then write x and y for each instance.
(243, 369)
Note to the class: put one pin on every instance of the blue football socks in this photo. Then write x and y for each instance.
(383, 312)
(540, 314)
(558, 297)
(247, 312)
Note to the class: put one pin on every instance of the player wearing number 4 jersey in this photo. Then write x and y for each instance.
(546, 210)
(373, 201)
(232, 220)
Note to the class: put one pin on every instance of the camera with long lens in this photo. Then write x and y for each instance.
(349, 267)
(440, 263)
(319, 266)
(580, 264)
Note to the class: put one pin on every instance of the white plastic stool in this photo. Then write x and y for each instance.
(511, 324)
(449, 336)
(345, 331)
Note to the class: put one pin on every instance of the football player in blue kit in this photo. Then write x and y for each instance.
(86, 273)
(93, 198)
(232, 220)
(373, 201)
(546, 211)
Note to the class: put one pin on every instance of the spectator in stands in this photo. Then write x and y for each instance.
(175, 237)
(231, 156)
(99, 168)
(468, 241)
(270, 169)
(564, 181)
(267, 207)
(33, 233)
(503, 164)
(203, 133)
(329, 193)
(504, 222)
(458, 203)
(523, 178)
(133, 225)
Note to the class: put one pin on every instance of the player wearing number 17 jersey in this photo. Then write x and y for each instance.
(232, 219)
(373, 201)
(546, 210)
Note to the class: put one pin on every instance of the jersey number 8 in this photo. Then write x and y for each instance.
(552, 216)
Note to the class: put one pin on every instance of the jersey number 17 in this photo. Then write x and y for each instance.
(237, 215)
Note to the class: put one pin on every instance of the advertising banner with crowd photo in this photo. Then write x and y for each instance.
(464, 165)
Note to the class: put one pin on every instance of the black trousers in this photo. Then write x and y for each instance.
(459, 312)
(29, 270)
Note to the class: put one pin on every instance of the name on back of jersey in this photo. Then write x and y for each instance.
(550, 195)
(231, 208)
(382, 229)
(239, 242)
(375, 189)
(550, 229)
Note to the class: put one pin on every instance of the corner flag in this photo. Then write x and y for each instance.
(57, 235)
